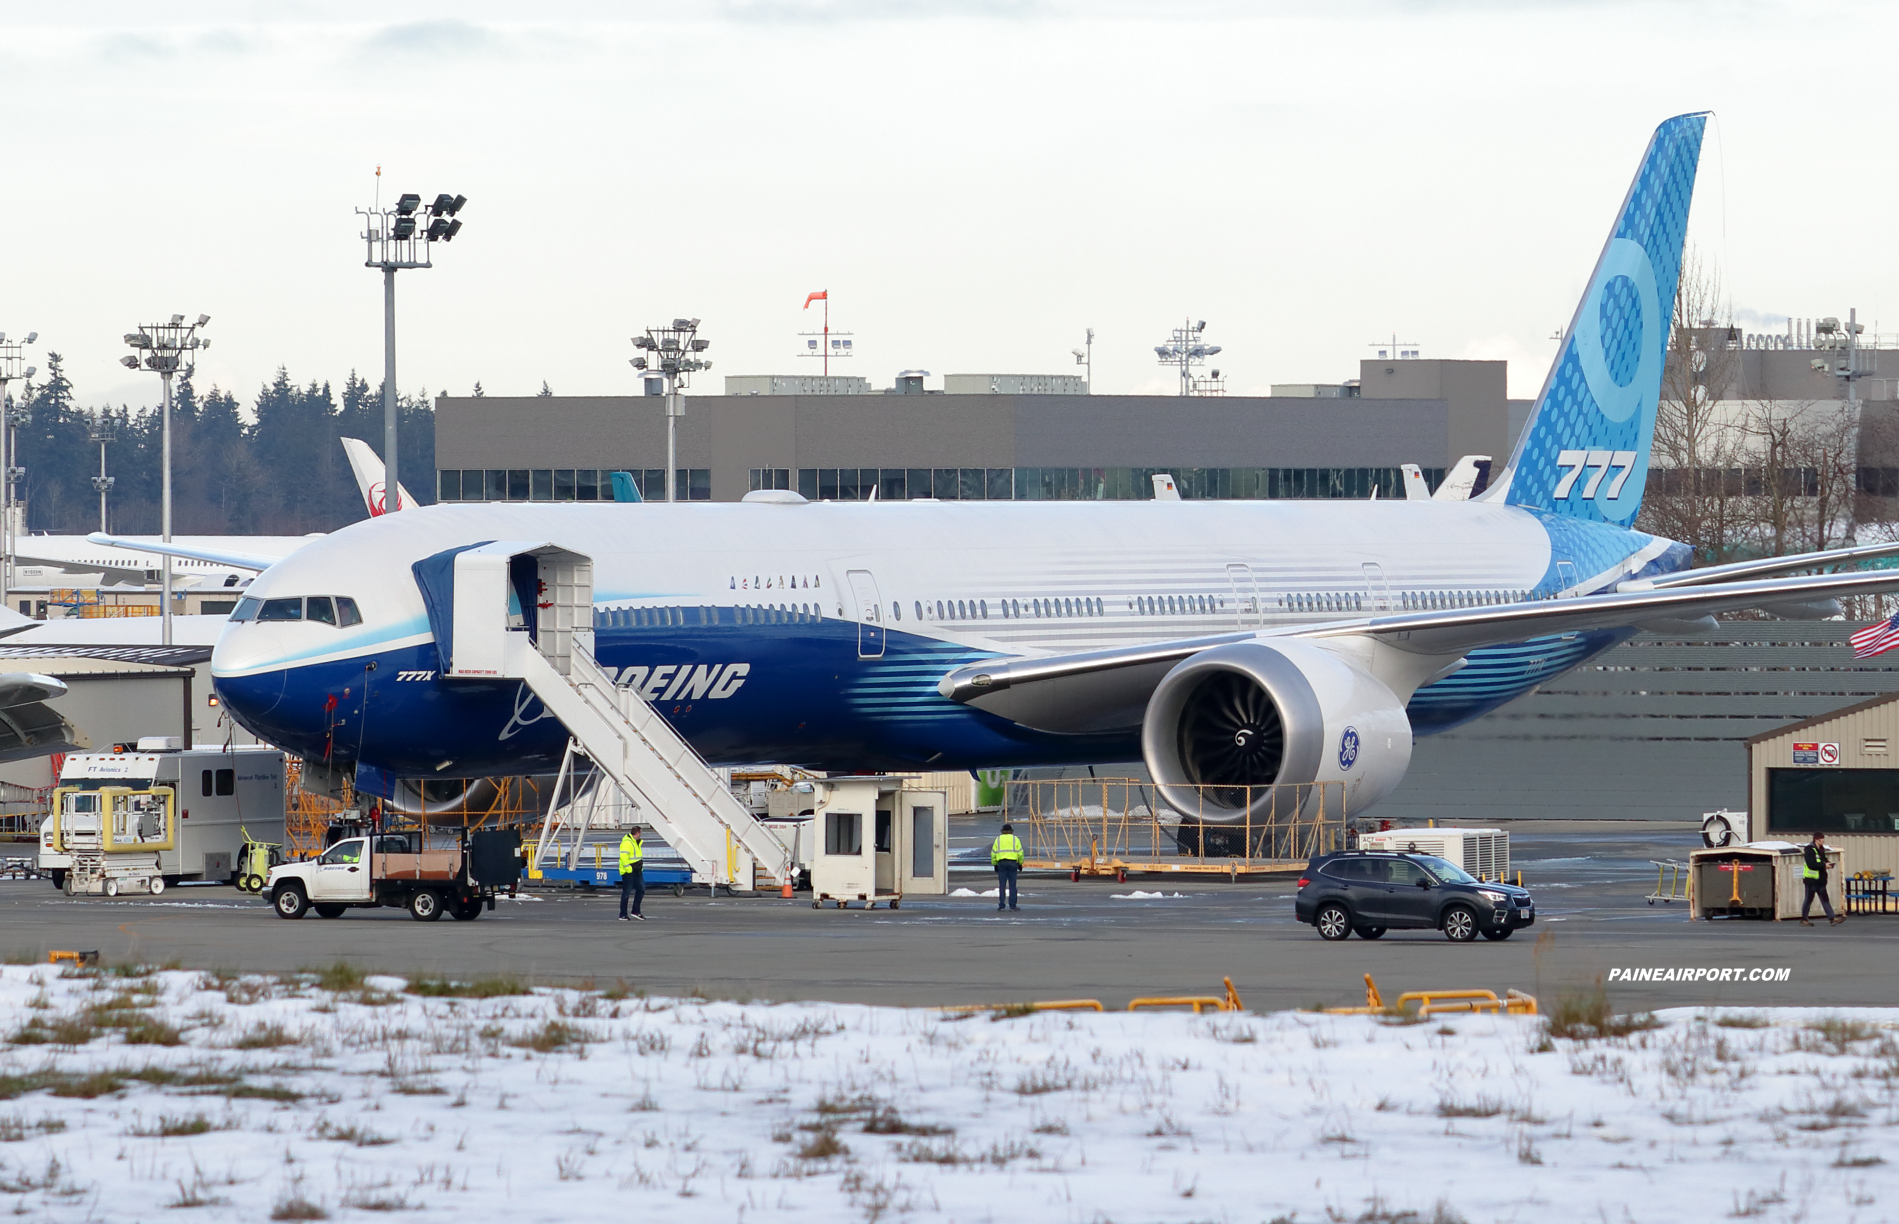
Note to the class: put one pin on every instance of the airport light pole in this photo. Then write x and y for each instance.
(162, 348)
(398, 239)
(1087, 359)
(101, 433)
(12, 366)
(674, 353)
(1186, 350)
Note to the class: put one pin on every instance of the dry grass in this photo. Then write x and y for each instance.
(1585, 1015)
(494, 986)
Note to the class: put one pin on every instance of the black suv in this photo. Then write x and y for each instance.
(1373, 891)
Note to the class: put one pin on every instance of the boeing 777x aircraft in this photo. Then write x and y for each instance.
(1232, 644)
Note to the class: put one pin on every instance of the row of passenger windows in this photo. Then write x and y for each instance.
(978, 609)
(1432, 601)
(323, 609)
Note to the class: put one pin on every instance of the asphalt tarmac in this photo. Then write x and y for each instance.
(1070, 940)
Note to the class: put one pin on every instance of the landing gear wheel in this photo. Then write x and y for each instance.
(425, 906)
(1333, 922)
(1368, 932)
(328, 911)
(1460, 924)
(1498, 933)
(466, 911)
(158, 885)
(111, 888)
(290, 902)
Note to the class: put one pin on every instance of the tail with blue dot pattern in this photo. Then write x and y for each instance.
(1584, 452)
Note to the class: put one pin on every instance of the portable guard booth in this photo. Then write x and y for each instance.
(873, 839)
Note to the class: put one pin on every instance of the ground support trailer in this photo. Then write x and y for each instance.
(189, 808)
(394, 869)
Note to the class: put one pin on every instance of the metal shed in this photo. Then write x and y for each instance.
(1837, 773)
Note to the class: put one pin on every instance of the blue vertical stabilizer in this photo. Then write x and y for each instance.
(1585, 451)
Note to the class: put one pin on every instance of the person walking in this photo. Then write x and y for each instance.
(1005, 855)
(1813, 874)
(632, 874)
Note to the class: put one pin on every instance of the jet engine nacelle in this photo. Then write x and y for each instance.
(1230, 722)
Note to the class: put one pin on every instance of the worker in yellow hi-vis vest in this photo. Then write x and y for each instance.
(632, 874)
(1005, 855)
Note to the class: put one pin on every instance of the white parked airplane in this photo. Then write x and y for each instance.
(199, 563)
(1232, 644)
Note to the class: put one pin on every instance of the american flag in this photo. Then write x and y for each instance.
(1876, 639)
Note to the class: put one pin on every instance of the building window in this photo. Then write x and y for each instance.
(448, 485)
(771, 478)
(1832, 800)
(541, 484)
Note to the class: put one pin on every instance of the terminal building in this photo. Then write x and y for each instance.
(992, 436)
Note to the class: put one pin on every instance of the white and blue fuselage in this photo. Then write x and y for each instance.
(816, 634)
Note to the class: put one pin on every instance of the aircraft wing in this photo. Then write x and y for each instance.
(1100, 690)
(1762, 567)
(217, 556)
(28, 726)
(110, 573)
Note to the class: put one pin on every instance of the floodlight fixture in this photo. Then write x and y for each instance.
(395, 241)
(671, 349)
(1185, 351)
(164, 346)
(12, 365)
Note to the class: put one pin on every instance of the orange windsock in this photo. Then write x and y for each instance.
(822, 295)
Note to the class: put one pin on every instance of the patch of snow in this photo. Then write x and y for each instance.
(970, 892)
(1138, 895)
(565, 1104)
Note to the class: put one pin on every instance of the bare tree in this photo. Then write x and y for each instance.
(1691, 494)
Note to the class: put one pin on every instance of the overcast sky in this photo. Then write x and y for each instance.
(975, 182)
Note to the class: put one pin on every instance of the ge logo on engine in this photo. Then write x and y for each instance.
(1348, 748)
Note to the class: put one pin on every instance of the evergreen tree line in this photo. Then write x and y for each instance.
(281, 472)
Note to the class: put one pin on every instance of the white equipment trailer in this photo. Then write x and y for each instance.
(124, 821)
(1484, 853)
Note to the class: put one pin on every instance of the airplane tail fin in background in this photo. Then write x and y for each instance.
(1584, 452)
(370, 477)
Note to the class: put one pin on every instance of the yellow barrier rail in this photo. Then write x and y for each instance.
(1228, 1002)
(1438, 1002)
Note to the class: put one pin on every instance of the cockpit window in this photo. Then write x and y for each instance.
(339, 610)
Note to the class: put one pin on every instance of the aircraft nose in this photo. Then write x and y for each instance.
(248, 668)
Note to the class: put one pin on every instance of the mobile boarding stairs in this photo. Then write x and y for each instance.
(523, 610)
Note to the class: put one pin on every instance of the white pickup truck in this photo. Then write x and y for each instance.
(394, 869)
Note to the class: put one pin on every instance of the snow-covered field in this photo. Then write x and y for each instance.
(187, 1096)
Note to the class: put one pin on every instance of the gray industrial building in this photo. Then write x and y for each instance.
(999, 443)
